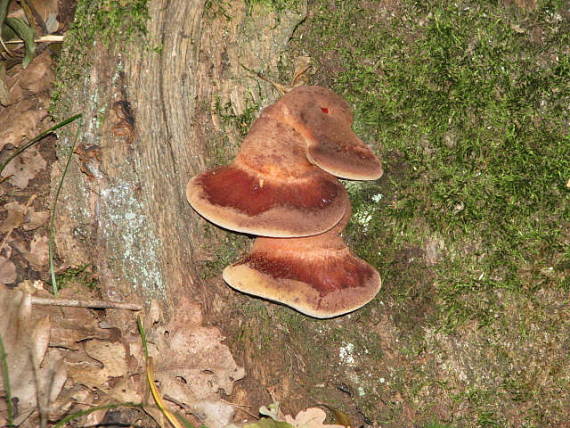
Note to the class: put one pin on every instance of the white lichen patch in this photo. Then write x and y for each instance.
(363, 218)
(377, 198)
(124, 227)
(346, 353)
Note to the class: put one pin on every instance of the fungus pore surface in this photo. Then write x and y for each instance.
(270, 189)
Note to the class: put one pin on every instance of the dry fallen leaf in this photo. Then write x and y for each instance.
(15, 218)
(192, 365)
(37, 256)
(34, 370)
(35, 219)
(310, 418)
(75, 326)
(24, 168)
(35, 78)
(22, 121)
(98, 358)
(112, 355)
(109, 360)
(8, 273)
(47, 11)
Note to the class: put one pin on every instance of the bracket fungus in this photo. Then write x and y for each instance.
(282, 187)
(324, 120)
(316, 275)
(270, 189)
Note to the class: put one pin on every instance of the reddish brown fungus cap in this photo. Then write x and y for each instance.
(324, 120)
(317, 275)
(270, 189)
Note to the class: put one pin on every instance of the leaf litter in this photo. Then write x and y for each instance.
(192, 365)
(8, 273)
(34, 371)
(35, 79)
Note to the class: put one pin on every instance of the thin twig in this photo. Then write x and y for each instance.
(283, 89)
(50, 38)
(93, 304)
(28, 204)
(8, 51)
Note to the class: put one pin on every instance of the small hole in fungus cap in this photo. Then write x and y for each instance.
(324, 109)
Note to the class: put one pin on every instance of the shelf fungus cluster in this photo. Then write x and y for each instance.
(283, 187)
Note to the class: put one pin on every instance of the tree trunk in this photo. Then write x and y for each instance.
(148, 125)
(155, 113)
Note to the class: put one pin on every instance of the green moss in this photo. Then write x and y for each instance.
(242, 121)
(216, 8)
(106, 21)
(279, 6)
(228, 249)
(475, 111)
(82, 275)
(437, 425)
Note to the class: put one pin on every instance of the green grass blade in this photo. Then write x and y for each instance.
(51, 241)
(143, 336)
(26, 33)
(3, 11)
(36, 139)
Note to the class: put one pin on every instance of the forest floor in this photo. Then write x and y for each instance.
(467, 105)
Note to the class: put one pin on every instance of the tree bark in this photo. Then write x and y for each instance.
(148, 116)
(151, 120)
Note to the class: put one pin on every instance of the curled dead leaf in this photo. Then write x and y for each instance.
(35, 78)
(37, 255)
(312, 417)
(35, 219)
(192, 365)
(47, 11)
(15, 216)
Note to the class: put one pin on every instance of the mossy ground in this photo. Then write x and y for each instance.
(467, 104)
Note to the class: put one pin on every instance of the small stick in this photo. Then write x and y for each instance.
(281, 88)
(95, 304)
(242, 408)
(45, 39)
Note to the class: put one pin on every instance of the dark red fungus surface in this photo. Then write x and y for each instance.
(233, 187)
(324, 275)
